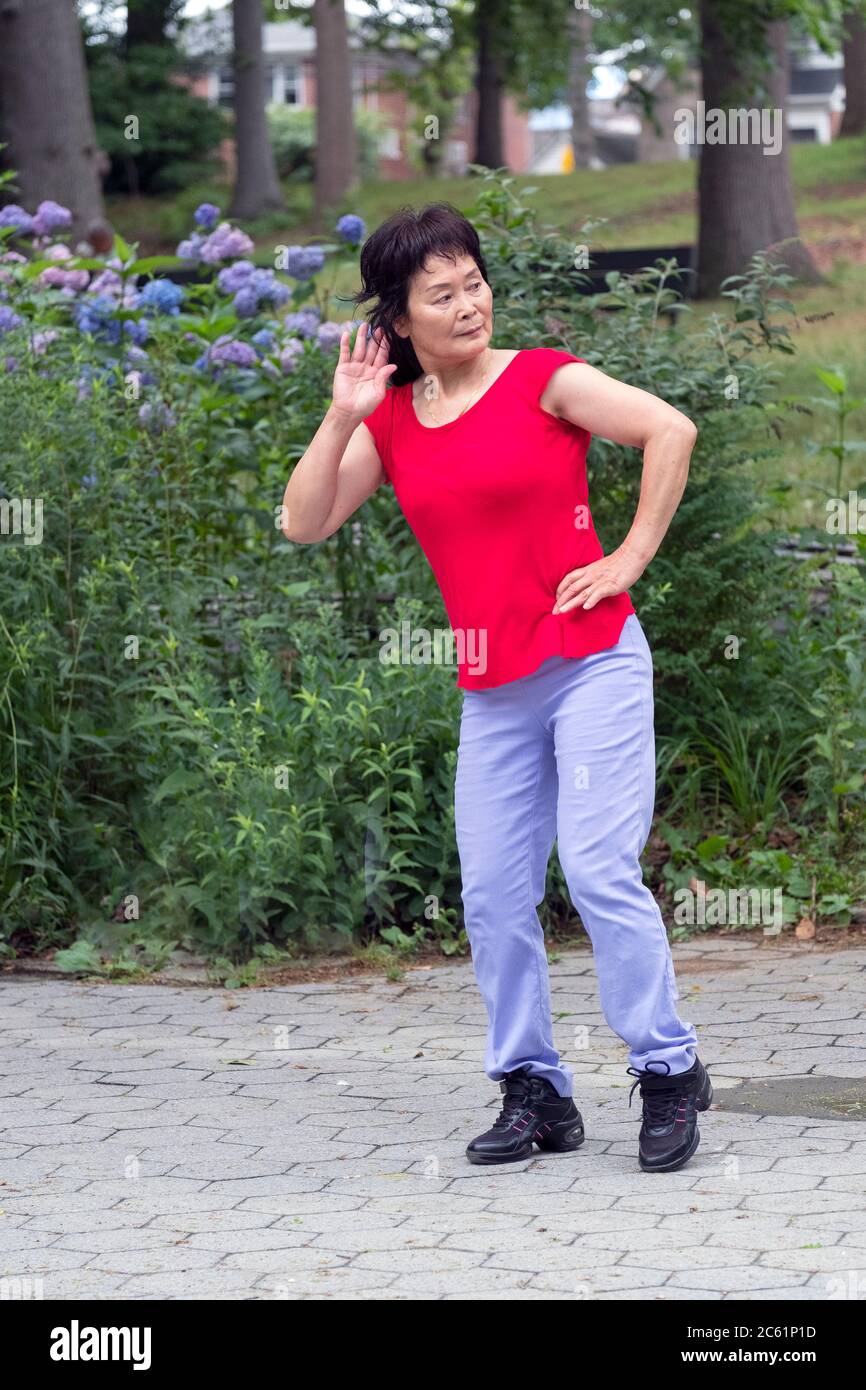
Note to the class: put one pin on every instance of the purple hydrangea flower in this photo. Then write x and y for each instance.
(329, 334)
(156, 417)
(265, 339)
(292, 350)
(60, 279)
(232, 352)
(233, 277)
(14, 216)
(351, 228)
(259, 287)
(106, 282)
(191, 248)
(161, 297)
(305, 261)
(225, 244)
(206, 215)
(304, 323)
(39, 342)
(10, 258)
(50, 218)
(9, 320)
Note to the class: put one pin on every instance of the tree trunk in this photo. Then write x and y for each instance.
(746, 200)
(47, 118)
(257, 187)
(336, 152)
(579, 73)
(854, 49)
(490, 16)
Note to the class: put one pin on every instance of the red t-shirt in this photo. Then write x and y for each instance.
(498, 502)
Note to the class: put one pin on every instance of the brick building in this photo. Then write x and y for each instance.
(290, 78)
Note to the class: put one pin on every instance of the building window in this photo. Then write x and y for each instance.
(389, 144)
(225, 86)
(363, 87)
(286, 88)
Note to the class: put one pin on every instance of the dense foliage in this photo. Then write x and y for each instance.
(201, 746)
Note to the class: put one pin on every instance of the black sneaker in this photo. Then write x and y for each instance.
(669, 1131)
(532, 1112)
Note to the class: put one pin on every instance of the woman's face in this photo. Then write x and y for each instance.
(449, 311)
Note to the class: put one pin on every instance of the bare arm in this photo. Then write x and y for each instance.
(589, 398)
(341, 467)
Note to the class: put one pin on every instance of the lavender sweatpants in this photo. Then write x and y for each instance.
(565, 753)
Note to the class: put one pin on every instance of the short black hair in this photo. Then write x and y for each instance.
(390, 257)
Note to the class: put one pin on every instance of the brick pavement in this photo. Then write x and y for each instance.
(308, 1142)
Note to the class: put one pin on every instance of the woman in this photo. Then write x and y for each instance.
(485, 449)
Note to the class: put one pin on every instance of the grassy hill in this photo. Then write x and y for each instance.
(645, 205)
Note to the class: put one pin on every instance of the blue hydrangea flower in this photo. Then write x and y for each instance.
(136, 330)
(246, 303)
(259, 287)
(265, 339)
(206, 215)
(162, 297)
(351, 228)
(92, 316)
(9, 319)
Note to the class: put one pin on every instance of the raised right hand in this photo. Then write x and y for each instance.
(360, 379)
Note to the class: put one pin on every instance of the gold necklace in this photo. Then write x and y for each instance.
(468, 402)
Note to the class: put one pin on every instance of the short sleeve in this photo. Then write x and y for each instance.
(379, 423)
(546, 361)
(549, 359)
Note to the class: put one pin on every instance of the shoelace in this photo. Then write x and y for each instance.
(515, 1099)
(659, 1102)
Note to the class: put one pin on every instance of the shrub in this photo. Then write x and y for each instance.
(201, 745)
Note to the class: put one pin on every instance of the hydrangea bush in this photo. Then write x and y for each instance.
(121, 304)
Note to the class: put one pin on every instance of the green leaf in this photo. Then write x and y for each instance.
(834, 381)
(144, 267)
(713, 845)
(121, 248)
(80, 958)
(179, 780)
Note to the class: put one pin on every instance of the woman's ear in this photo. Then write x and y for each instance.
(401, 327)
